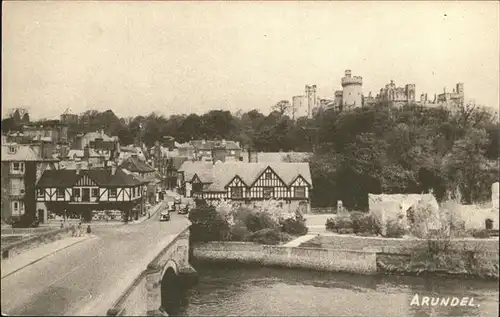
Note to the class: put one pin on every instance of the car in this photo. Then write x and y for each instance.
(164, 215)
(177, 199)
(182, 209)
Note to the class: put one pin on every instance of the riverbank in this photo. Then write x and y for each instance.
(367, 256)
(352, 261)
(253, 290)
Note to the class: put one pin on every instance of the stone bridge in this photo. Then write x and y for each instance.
(161, 283)
(125, 270)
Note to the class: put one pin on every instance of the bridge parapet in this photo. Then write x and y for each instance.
(170, 268)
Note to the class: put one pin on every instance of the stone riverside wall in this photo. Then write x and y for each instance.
(351, 242)
(353, 261)
(394, 255)
(10, 250)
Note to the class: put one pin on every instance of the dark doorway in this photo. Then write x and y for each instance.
(41, 218)
(85, 194)
(488, 223)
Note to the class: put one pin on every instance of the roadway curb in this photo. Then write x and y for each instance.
(47, 255)
(145, 217)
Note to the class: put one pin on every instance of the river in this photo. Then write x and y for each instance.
(262, 291)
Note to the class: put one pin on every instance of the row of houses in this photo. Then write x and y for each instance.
(36, 182)
(246, 183)
(98, 173)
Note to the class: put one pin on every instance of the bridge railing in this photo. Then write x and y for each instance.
(134, 299)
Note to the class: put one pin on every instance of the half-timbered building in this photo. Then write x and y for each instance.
(147, 173)
(193, 176)
(289, 183)
(87, 190)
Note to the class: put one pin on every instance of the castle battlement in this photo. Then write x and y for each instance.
(356, 80)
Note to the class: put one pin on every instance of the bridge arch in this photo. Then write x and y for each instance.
(171, 288)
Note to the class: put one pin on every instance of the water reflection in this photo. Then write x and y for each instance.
(256, 291)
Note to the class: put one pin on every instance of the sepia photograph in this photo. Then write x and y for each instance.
(250, 158)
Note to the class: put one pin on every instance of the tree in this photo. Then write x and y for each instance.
(283, 107)
(467, 165)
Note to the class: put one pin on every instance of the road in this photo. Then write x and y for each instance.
(75, 278)
(316, 223)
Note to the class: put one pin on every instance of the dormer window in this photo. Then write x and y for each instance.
(12, 149)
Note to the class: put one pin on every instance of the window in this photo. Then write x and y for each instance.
(95, 192)
(268, 175)
(17, 166)
(12, 149)
(60, 193)
(40, 192)
(76, 192)
(488, 224)
(236, 192)
(16, 206)
(268, 192)
(299, 192)
(112, 192)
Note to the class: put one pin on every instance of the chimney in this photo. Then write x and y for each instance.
(86, 152)
(78, 168)
(113, 168)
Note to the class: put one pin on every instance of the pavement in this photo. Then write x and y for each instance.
(19, 262)
(85, 278)
(300, 240)
(316, 222)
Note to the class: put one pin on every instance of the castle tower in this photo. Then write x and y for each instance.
(311, 99)
(352, 91)
(460, 89)
(410, 93)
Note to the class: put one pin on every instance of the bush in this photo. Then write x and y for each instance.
(394, 229)
(294, 226)
(340, 224)
(330, 224)
(480, 233)
(258, 221)
(207, 225)
(239, 233)
(363, 223)
(267, 236)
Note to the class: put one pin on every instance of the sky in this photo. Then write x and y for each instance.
(191, 57)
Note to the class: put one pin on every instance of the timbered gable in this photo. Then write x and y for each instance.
(268, 178)
(300, 181)
(236, 182)
(195, 179)
(85, 180)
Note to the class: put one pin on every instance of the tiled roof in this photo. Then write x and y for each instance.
(183, 145)
(80, 153)
(135, 165)
(177, 162)
(127, 148)
(22, 153)
(94, 135)
(102, 176)
(202, 169)
(208, 145)
(223, 173)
